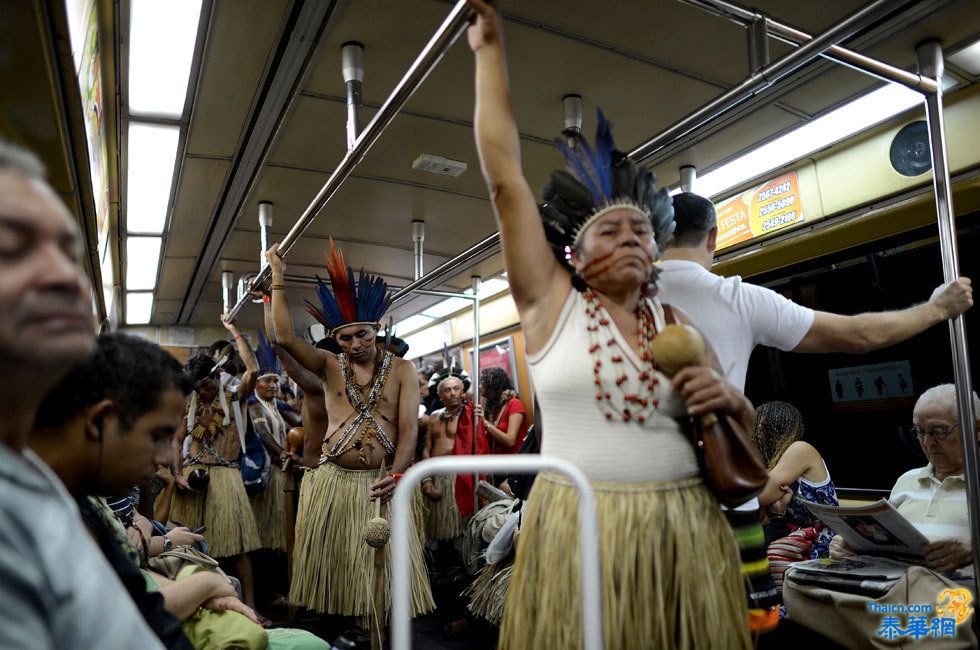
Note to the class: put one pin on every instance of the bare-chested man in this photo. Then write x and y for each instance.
(372, 405)
(444, 521)
(215, 421)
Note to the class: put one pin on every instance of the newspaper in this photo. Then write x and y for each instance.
(863, 574)
(876, 529)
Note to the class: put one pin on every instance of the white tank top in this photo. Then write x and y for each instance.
(576, 429)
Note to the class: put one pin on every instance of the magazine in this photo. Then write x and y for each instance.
(875, 529)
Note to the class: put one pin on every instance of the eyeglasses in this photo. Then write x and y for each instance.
(939, 433)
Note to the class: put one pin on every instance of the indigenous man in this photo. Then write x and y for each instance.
(216, 426)
(372, 401)
(449, 432)
(272, 418)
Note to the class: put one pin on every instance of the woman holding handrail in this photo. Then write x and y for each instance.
(582, 271)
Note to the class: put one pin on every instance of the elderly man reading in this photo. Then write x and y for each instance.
(934, 500)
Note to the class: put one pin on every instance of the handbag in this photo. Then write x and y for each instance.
(730, 462)
(170, 563)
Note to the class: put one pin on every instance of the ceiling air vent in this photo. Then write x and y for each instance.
(439, 165)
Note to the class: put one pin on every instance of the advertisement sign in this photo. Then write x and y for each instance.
(875, 382)
(762, 210)
(500, 355)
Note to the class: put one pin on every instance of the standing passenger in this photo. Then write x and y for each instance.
(670, 566)
(372, 403)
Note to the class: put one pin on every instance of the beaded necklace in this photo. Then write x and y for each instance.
(633, 398)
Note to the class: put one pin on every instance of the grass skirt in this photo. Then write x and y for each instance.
(269, 507)
(670, 569)
(332, 565)
(488, 592)
(227, 513)
(444, 520)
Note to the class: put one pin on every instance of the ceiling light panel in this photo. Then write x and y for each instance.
(446, 307)
(139, 307)
(838, 124)
(142, 261)
(412, 323)
(162, 36)
(968, 58)
(151, 154)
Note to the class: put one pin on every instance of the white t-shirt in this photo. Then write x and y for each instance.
(735, 316)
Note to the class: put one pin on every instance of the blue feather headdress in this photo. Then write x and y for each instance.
(597, 181)
(269, 363)
(351, 303)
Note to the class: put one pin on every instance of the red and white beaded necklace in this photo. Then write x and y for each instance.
(634, 397)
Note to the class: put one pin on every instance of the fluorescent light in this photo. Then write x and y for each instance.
(429, 340)
(150, 174)
(139, 306)
(142, 261)
(490, 288)
(447, 306)
(162, 36)
(838, 124)
(968, 58)
(413, 323)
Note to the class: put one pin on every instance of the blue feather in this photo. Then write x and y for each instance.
(266, 356)
(576, 166)
(604, 148)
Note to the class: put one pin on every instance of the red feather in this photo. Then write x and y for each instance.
(342, 289)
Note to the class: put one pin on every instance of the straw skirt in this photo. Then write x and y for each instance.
(269, 507)
(444, 521)
(488, 593)
(670, 569)
(332, 565)
(226, 511)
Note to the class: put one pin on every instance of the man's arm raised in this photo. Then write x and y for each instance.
(308, 356)
(538, 283)
(306, 380)
(865, 332)
(248, 358)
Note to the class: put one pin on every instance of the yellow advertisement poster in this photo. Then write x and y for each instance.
(761, 210)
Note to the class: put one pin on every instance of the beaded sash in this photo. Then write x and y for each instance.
(364, 410)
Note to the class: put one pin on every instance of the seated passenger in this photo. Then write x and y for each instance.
(56, 589)
(794, 466)
(933, 498)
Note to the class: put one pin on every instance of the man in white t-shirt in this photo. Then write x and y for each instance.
(735, 316)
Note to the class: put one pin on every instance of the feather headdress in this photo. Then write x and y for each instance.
(597, 181)
(351, 303)
(269, 363)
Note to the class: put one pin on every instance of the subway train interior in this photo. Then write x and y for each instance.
(838, 142)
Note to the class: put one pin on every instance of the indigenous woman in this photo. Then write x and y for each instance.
(670, 564)
(504, 416)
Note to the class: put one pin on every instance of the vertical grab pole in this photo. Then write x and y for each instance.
(475, 284)
(227, 287)
(265, 224)
(401, 581)
(930, 59)
(418, 239)
(352, 66)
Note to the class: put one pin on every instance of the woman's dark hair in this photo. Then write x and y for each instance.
(131, 372)
(777, 426)
(493, 383)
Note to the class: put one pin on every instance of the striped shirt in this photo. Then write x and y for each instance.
(936, 508)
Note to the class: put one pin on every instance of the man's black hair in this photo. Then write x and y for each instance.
(695, 217)
(329, 344)
(131, 372)
(199, 368)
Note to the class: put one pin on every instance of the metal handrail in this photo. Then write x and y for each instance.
(431, 54)
(792, 36)
(590, 584)
(770, 74)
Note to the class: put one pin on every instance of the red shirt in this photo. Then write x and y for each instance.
(464, 446)
(513, 406)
